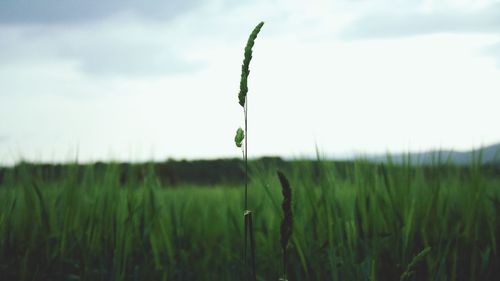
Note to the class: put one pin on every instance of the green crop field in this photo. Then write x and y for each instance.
(361, 221)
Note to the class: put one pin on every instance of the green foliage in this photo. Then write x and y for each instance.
(245, 71)
(240, 135)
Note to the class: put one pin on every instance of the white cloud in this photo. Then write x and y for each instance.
(493, 50)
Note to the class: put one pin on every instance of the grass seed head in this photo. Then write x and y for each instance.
(245, 71)
(287, 223)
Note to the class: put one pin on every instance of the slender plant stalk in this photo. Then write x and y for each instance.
(240, 135)
(246, 152)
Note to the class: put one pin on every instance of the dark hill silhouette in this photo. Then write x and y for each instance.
(484, 155)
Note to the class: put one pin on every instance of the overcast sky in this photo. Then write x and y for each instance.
(141, 80)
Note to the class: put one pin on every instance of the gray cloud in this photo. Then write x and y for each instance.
(134, 54)
(57, 11)
(128, 60)
(113, 48)
(389, 25)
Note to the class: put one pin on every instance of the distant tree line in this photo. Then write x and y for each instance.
(169, 173)
(211, 172)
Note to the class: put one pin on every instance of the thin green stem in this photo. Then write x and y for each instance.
(246, 152)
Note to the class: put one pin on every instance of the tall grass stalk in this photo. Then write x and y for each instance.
(240, 135)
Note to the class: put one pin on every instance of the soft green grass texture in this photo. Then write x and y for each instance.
(362, 222)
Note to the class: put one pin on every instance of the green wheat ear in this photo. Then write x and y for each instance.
(246, 63)
(240, 135)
